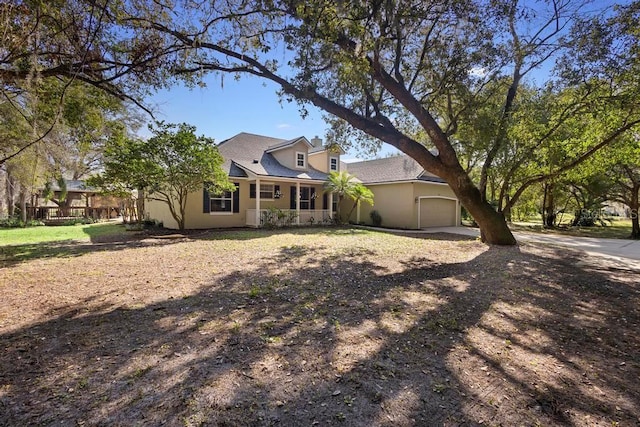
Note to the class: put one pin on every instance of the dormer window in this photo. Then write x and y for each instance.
(301, 160)
(333, 164)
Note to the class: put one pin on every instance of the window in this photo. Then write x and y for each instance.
(305, 198)
(333, 164)
(222, 203)
(301, 160)
(266, 191)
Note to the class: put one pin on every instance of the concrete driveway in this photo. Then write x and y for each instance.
(621, 249)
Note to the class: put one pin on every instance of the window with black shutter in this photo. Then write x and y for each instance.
(228, 202)
(236, 198)
(292, 205)
(206, 200)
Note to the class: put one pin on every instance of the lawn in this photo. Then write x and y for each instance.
(616, 228)
(31, 235)
(332, 326)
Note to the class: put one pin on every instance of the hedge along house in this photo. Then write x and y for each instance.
(405, 195)
(272, 177)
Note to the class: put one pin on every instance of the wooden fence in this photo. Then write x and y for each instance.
(57, 214)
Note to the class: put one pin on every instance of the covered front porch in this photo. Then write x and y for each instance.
(286, 203)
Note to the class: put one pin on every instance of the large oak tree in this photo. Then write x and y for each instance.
(405, 72)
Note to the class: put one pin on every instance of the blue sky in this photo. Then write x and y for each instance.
(250, 104)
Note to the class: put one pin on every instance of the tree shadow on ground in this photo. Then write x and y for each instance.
(508, 337)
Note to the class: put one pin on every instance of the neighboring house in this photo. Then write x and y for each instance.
(80, 201)
(286, 178)
(405, 195)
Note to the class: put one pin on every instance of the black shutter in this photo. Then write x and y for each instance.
(325, 200)
(312, 196)
(292, 205)
(276, 190)
(236, 198)
(252, 191)
(206, 201)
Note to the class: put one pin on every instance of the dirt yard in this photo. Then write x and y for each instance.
(316, 327)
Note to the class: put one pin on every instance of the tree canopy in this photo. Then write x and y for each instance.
(168, 166)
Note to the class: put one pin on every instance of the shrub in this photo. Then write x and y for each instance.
(376, 218)
(76, 221)
(15, 222)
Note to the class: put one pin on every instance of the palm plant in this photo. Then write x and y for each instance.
(360, 193)
(341, 184)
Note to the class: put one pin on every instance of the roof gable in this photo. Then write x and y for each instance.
(248, 153)
(290, 143)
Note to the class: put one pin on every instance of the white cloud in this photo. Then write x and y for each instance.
(284, 126)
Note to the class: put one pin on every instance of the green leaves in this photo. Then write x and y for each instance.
(168, 166)
(343, 184)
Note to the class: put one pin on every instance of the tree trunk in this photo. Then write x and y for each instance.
(10, 193)
(635, 212)
(548, 207)
(140, 206)
(506, 212)
(493, 227)
(339, 210)
(353, 208)
(23, 207)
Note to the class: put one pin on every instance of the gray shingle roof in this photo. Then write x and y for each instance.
(331, 148)
(289, 143)
(317, 149)
(247, 151)
(390, 169)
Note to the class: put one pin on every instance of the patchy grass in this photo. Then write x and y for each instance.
(33, 235)
(318, 327)
(617, 229)
(23, 244)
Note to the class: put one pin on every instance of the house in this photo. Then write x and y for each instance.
(405, 195)
(282, 181)
(276, 180)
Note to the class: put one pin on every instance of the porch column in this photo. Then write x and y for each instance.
(331, 205)
(298, 203)
(257, 202)
(358, 213)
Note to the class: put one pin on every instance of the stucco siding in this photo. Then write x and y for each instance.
(397, 203)
(319, 161)
(394, 202)
(287, 156)
(196, 218)
(431, 189)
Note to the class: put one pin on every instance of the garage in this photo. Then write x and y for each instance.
(437, 212)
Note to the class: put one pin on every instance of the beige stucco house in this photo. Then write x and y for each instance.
(282, 181)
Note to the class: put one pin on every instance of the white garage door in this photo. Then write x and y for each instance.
(437, 213)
